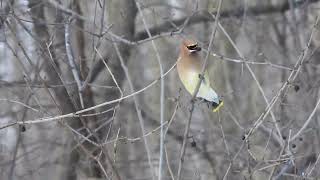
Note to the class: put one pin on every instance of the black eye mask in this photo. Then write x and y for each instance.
(194, 47)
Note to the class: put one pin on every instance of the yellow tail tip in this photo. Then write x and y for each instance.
(215, 109)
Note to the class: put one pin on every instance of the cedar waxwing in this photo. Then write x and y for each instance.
(189, 67)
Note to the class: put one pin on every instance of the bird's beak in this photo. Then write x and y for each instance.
(197, 49)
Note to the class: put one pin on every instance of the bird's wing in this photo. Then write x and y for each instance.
(190, 82)
(206, 92)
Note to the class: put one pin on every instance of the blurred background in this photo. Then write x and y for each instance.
(117, 58)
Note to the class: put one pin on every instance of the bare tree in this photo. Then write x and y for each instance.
(89, 90)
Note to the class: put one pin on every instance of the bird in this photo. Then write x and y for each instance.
(189, 66)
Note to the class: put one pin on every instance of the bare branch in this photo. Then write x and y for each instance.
(254, 11)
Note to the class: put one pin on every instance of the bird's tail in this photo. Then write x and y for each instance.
(216, 107)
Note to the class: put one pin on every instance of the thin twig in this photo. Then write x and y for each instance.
(161, 91)
(110, 72)
(307, 122)
(314, 165)
(78, 113)
(18, 141)
(72, 63)
(100, 35)
(255, 79)
(136, 105)
(223, 135)
(290, 79)
(233, 159)
(135, 139)
(115, 146)
(20, 103)
(168, 162)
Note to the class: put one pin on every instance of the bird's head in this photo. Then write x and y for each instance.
(190, 47)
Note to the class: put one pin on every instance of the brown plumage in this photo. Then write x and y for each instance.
(189, 61)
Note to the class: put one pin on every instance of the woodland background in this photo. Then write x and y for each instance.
(58, 57)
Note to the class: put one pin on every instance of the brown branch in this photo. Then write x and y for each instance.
(205, 17)
(4, 12)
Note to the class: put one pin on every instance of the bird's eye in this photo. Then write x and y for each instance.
(192, 47)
